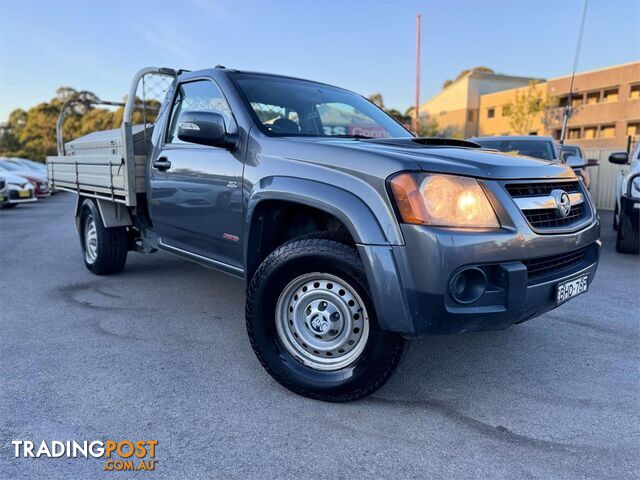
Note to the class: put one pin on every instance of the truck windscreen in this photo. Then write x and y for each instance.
(286, 107)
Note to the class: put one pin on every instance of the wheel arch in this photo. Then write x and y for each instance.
(345, 207)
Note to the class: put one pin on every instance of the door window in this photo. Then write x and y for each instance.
(199, 96)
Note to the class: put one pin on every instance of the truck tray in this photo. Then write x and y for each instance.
(94, 165)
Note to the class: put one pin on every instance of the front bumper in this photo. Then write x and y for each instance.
(12, 196)
(511, 295)
(411, 284)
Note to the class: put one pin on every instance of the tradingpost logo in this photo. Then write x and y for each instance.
(122, 455)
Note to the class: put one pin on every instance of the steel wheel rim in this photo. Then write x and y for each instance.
(322, 321)
(90, 240)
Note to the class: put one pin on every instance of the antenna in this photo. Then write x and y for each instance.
(567, 107)
(417, 107)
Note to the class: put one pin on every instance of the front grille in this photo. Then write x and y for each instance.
(519, 190)
(549, 218)
(539, 269)
(529, 195)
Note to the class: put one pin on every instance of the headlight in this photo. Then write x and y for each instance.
(636, 184)
(442, 200)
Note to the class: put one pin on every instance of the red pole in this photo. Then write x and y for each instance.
(417, 108)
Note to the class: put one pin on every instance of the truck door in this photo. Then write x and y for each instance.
(195, 197)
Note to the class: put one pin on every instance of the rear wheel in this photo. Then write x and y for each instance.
(628, 238)
(312, 325)
(104, 249)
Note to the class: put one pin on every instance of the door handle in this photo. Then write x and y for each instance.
(162, 164)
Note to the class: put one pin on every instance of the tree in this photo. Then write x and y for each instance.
(429, 128)
(399, 116)
(9, 142)
(32, 133)
(376, 98)
(524, 108)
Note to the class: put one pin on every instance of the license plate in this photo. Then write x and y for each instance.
(571, 288)
(24, 194)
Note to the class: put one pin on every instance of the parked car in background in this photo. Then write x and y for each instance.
(15, 190)
(38, 167)
(544, 148)
(626, 218)
(4, 191)
(30, 164)
(38, 180)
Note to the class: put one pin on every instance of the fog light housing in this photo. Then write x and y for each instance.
(468, 285)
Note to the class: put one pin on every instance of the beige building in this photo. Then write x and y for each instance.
(493, 113)
(606, 106)
(456, 107)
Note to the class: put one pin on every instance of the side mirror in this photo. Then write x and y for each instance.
(204, 128)
(575, 162)
(593, 162)
(621, 158)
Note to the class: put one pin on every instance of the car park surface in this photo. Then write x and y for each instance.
(161, 352)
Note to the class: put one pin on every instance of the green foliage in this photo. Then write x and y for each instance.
(429, 128)
(376, 98)
(524, 108)
(32, 134)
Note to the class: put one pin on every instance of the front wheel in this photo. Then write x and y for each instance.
(104, 249)
(312, 325)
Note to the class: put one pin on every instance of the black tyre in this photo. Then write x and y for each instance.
(628, 238)
(104, 249)
(312, 325)
(615, 217)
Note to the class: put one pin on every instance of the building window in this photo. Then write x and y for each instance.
(633, 129)
(573, 134)
(593, 98)
(535, 132)
(610, 95)
(471, 117)
(563, 101)
(607, 131)
(634, 91)
(556, 134)
(491, 112)
(576, 101)
(590, 132)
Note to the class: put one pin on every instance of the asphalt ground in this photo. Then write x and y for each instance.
(160, 352)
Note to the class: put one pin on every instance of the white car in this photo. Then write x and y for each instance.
(626, 219)
(15, 190)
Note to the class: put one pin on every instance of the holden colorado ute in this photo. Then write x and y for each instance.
(350, 233)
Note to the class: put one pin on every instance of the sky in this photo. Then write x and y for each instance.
(365, 46)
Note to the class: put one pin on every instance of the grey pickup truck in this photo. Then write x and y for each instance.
(350, 233)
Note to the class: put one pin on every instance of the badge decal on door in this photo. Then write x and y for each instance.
(233, 238)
